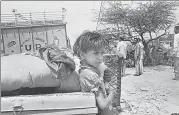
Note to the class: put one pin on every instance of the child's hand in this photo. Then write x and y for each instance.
(107, 74)
(111, 92)
(94, 89)
(107, 87)
(111, 95)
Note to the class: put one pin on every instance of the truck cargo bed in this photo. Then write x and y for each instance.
(47, 104)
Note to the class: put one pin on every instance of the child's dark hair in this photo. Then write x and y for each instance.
(88, 41)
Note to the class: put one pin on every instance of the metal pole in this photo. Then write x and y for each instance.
(63, 14)
(3, 42)
(44, 18)
(20, 41)
(30, 18)
(16, 19)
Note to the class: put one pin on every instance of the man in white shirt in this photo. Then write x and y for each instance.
(122, 48)
(176, 52)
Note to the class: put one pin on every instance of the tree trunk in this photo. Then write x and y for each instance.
(148, 59)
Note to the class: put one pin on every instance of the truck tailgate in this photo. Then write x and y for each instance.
(58, 103)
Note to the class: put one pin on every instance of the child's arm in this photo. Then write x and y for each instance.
(107, 78)
(90, 82)
(105, 74)
(102, 101)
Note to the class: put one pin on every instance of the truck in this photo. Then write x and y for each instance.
(28, 36)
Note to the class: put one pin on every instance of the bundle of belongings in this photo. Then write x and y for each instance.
(50, 70)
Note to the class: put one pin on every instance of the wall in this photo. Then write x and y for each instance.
(30, 39)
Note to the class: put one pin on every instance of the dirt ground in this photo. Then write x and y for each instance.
(153, 93)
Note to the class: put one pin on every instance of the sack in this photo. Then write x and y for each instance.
(19, 71)
(57, 60)
(70, 84)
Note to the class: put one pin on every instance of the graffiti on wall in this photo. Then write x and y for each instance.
(57, 36)
(11, 41)
(30, 39)
(55, 39)
(27, 47)
(26, 40)
(39, 45)
(39, 37)
(10, 44)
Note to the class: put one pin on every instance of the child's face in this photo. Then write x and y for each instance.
(94, 58)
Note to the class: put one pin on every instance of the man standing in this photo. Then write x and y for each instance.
(176, 52)
(122, 48)
(139, 57)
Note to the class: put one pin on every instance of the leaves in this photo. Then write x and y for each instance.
(150, 17)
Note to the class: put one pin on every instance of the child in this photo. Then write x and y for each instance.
(89, 47)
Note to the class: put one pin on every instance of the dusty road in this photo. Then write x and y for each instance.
(153, 93)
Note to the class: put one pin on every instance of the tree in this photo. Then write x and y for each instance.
(112, 17)
(152, 18)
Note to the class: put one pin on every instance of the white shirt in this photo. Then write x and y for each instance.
(176, 45)
(122, 48)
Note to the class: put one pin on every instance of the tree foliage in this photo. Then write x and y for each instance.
(152, 17)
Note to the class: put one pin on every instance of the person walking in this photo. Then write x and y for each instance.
(138, 55)
(176, 52)
(122, 48)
